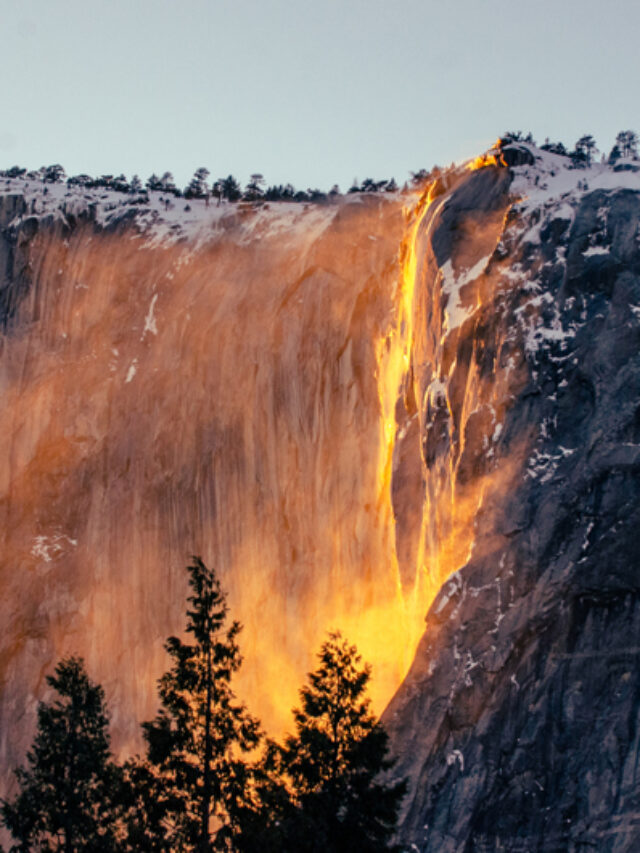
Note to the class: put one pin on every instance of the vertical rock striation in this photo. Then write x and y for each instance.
(164, 397)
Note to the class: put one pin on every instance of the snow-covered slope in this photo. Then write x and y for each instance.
(165, 219)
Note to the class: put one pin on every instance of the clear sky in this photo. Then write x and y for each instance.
(308, 91)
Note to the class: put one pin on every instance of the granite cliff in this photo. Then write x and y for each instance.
(518, 721)
(360, 412)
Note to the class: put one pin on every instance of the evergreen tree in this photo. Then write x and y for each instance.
(217, 190)
(196, 740)
(627, 143)
(338, 803)
(316, 195)
(80, 181)
(230, 188)
(420, 177)
(198, 187)
(66, 798)
(120, 183)
(254, 189)
(268, 819)
(135, 186)
(54, 174)
(511, 136)
(614, 155)
(144, 808)
(168, 183)
(154, 183)
(584, 151)
(554, 147)
(274, 193)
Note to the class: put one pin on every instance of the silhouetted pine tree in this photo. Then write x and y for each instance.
(334, 800)
(195, 776)
(66, 799)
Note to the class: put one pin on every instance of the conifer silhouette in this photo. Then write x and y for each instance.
(66, 793)
(323, 792)
(195, 775)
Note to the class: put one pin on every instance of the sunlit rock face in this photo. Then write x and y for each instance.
(216, 396)
(517, 724)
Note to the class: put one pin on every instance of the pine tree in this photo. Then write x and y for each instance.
(217, 190)
(627, 143)
(419, 178)
(254, 190)
(274, 193)
(584, 151)
(368, 186)
(154, 183)
(168, 184)
(198, 187)
(54, 174)
(334, 761)
(120, 184)
(230, 188)
(196, 740)
(66, 798)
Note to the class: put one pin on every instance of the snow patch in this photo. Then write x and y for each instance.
(455, 313)
(132, 371)
(150, 320)
(48, 548)
(456, 756)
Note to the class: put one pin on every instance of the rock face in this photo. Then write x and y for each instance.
(518, 724)
(214, 394)
(358, 417)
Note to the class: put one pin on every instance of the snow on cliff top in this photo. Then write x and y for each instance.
(554, 179)
(164, 219)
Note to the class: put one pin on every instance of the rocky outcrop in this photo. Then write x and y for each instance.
(518, 725)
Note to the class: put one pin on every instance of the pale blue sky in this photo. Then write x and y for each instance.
(310, 91)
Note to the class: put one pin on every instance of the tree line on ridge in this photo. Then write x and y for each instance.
(256, 191)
